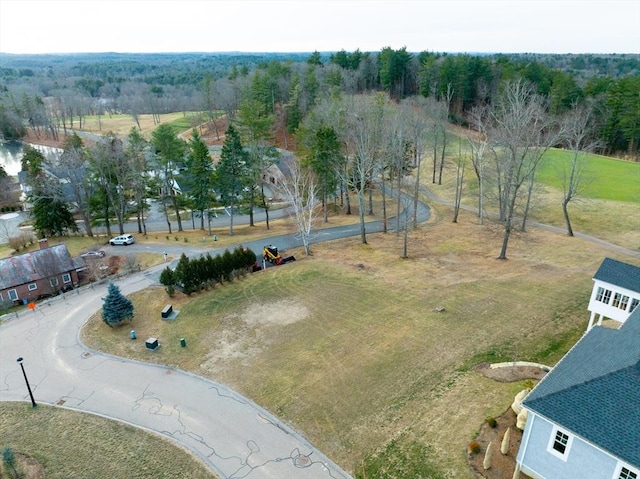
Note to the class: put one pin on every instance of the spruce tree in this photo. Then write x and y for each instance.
(116, 308)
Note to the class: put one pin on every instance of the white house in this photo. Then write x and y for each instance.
(616, 291)
(584, 416)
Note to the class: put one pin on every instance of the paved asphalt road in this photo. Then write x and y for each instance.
(233, 435)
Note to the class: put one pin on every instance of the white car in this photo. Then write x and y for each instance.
(96, 253)
(122, 239)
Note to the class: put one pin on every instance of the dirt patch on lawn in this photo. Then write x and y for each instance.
(248, 333)
(510, 374)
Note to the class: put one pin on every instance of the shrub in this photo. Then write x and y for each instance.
(491, 421)
(473, 448)
(15, 242)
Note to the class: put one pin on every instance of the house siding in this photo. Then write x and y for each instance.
(44, 287)
(583, 460)
(38, 267)
(608, 310)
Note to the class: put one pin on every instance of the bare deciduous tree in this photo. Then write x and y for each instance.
(479, 149)
(521, 132)
(365, 124)
(417, 116)
(461, 163)
(300, 191)
(577, 129)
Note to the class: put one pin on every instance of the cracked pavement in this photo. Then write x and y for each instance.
(234, 436)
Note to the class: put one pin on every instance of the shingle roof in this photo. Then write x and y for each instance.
(30, 267)
(594, 391)
(621, 274)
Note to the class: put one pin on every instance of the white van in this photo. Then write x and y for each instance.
(123, 239)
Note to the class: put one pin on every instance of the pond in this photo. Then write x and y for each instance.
(11, 155)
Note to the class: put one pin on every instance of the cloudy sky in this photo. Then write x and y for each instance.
(508, 26)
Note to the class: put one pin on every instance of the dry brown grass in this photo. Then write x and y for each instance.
(74, 444)
(122, 124)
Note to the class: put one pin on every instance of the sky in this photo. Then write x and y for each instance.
(455, 26)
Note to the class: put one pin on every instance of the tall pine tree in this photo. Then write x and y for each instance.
(232, 171)
(116, 308)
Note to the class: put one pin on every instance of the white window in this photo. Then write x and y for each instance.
(13, 295)
(600, 293)
(624, 302)
(616, 300)
(33, 287)
(625, 472)
(66, 278)
(560, 443)
(607, 296)
(53, 282)
(634, 304)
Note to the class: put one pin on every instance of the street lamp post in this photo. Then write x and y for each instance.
(33, 401)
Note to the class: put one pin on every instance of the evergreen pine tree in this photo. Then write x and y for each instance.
(116, 308)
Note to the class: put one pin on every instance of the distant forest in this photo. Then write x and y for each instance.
(53, 93)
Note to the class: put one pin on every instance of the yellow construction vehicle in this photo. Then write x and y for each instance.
(272, 255)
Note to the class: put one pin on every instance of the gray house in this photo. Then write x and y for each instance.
(584, 416)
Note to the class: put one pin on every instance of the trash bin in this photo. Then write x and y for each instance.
(133, 334)
(183, 343)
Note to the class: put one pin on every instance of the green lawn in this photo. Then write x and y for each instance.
(604, 178)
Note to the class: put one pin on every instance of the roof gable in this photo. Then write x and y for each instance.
(30, 267)
(594, 391)
(621, 274)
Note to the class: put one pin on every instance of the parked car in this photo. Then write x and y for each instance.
(97, 253)
(122, 239)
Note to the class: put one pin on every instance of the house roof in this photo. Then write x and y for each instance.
(594, 391)
(621, 274)
(30, 267)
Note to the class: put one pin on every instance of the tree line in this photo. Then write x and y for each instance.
(53, 93)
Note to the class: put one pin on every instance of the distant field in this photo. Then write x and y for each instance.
(604, 178)
(122, 124)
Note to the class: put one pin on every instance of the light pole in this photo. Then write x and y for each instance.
(33, 401)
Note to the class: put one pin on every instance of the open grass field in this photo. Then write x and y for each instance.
(122, 124)
(347, 345)
(601, 215)
(604, 178)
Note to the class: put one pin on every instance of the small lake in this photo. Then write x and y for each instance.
(11, 155)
